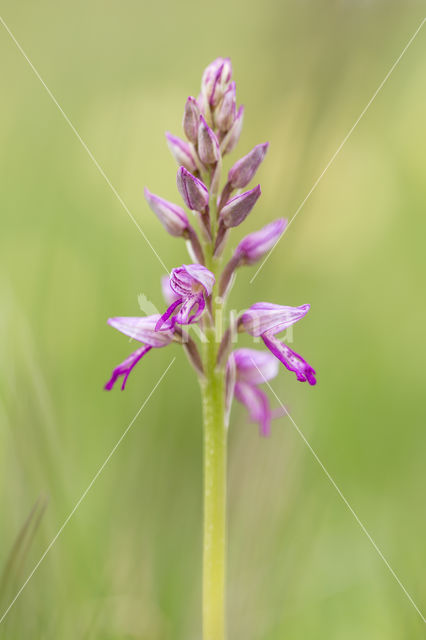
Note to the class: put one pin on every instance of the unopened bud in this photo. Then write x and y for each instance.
(225, 112)
(171, 216)
(231, 139)
(181, 151)
(208, 145)
(255, 245)
(243, 171)
(191, 119)
(193, 191)
(237, 209)
(215, 80)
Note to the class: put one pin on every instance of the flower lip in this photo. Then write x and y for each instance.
(246, 370)
(264, 317)
(290, 359)
(255, 367)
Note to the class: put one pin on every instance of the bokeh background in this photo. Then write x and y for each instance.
(127, 565)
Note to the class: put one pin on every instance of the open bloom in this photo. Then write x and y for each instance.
(143, 330)
(246, 370)
(267, 320)
(192, 283)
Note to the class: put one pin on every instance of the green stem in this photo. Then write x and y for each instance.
(215, 444)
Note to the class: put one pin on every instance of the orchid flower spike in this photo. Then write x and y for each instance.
(266, 320)
(143, 330)
(246, 370)
(193, 284)
(212, 126)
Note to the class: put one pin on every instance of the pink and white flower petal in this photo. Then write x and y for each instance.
(143, 329)
(274, 318)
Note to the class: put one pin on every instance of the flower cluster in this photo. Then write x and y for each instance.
(212, 124)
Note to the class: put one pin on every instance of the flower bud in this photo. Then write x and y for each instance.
(208, 145)
(191, 119)
(225, 112)
(181, 151)
(237, 209)
(231, 139)
(215, 80)
(193, 191)
(171, 216)
(255, 245)
(243, 171)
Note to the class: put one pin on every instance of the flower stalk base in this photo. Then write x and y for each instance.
(215, 453)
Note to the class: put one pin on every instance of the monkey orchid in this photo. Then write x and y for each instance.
(196, 294)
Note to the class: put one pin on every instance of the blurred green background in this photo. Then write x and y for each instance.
(128, 565)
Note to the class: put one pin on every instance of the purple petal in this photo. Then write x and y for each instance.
(290, 359)
(255, 367)
(143, 330)
(125, 368)
(181, 151)
(243, 171)
(186, 280)
(172, 217)
(166, 315)
(274, 318)
(202, 275)
(237, 209)
(192, 302)
(193, 191)
(256, 244)
(257, 404)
